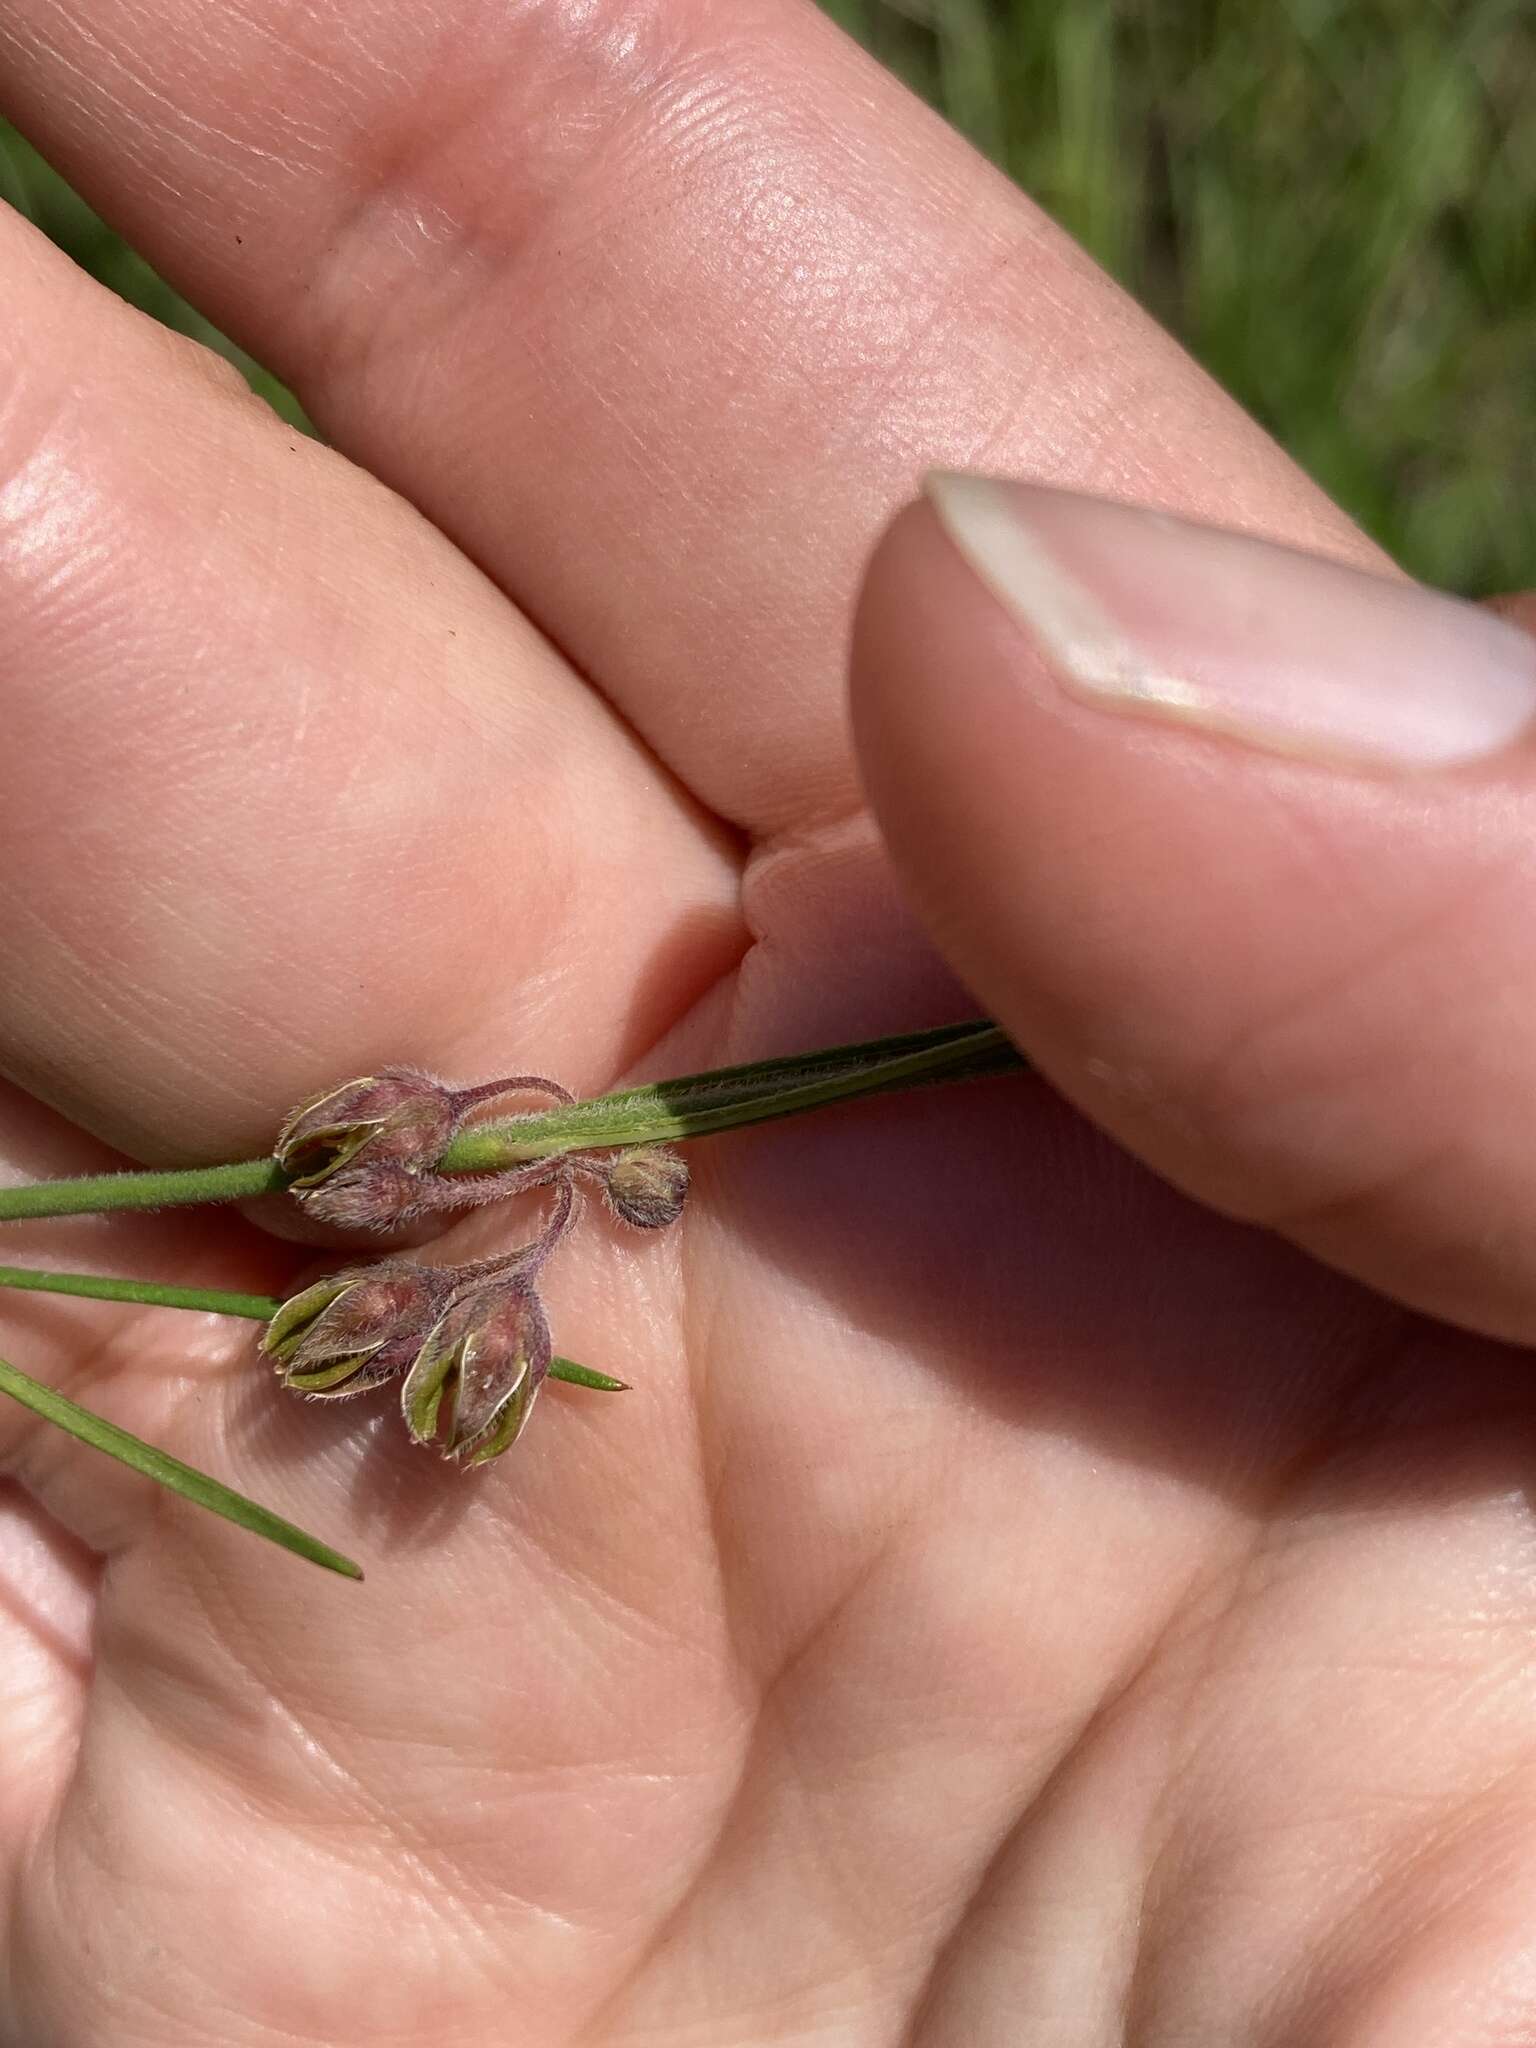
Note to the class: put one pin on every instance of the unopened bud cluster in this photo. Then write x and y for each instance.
(369, 1155)
(471, 1345)
(473, 1350)
(364, 1156)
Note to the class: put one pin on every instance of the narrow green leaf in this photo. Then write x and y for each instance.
(699, 1105)
(13, 186)
(141, 1293)
(167, 1471)
(576, 1375)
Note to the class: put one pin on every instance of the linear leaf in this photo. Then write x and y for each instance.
(167, 1471)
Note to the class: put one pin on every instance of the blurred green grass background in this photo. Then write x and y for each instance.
(1331, 202)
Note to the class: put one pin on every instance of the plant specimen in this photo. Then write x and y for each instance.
(467, 1348)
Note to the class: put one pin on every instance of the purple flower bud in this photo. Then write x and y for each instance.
(367, 1194)
(474, 1381)
(647, 1186)
(357, 1328)
(397, 1115)
(364, 1156)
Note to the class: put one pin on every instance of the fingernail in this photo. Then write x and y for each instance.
(1143, 613)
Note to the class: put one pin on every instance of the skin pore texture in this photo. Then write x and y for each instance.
(1016, 1604)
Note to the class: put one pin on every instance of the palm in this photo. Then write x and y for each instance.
(1008, 1589)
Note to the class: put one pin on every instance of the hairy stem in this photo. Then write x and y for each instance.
(176, 1188)
(661, 1112)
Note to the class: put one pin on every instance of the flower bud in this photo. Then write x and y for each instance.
(397, 1115)
(486, 1359)
(647, 1186)
(366, 1194)
(357, 1328)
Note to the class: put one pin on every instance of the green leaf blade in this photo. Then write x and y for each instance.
(729, 1098)
(141, 1293)
(575, 1375)
(197, 1487)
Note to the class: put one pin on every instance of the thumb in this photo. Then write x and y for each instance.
(1237, 843)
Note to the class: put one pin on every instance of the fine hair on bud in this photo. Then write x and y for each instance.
(368, 1194)
(356, 1329)
(647, 1186)
(399, 1115)
(472, 1385)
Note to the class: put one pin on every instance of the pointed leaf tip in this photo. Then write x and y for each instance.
(199, 1487)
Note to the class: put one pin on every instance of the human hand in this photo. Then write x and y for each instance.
(973, 1627)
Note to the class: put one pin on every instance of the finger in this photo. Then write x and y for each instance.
(1237, 843)
(658, 309)
(287, 786)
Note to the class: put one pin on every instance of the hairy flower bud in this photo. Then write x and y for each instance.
(397, 1115)
(357, 1328)
(367, 1194)
(364, 1156)
(473, 1384)
(647, 1186)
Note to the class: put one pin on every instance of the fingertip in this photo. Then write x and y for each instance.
(924, 635)
(1258, 923)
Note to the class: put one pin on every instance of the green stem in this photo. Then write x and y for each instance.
(257, 1308)
(662, 1112)
(177, 1188)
